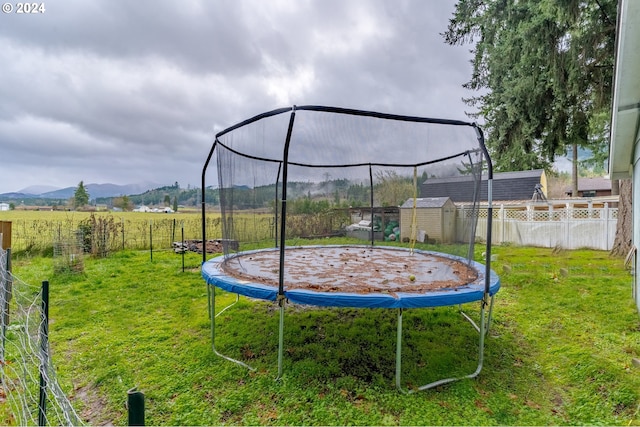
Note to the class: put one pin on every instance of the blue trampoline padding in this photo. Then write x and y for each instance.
(213, 274)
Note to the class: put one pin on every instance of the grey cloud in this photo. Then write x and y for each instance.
(120, 91)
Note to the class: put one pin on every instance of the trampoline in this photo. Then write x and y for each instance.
(353, 276)
(257, 161)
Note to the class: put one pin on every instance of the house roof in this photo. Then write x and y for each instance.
(536, 173)
(426, 202)
(590, 184)
(518, 185)
(626, 92)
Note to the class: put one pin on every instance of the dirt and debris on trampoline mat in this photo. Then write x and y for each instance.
(353, 269)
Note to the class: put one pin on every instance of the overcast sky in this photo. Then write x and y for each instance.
(123, 92)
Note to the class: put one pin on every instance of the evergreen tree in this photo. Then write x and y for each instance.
(544, 69)
(80, 197)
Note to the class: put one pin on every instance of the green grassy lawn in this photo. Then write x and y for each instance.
(564, 334)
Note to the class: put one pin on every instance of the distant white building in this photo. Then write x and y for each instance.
(142, 208)
(4, 206)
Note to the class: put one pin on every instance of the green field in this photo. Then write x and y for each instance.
(560, 350)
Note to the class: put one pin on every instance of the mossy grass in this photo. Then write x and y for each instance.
(559, 351)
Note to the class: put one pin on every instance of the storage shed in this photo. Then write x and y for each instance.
(434, 215)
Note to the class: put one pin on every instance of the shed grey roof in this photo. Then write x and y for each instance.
(506, 186)
(426, 202)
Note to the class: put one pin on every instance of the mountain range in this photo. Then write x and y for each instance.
(94, 190)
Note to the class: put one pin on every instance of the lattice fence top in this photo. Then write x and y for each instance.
(524, 214)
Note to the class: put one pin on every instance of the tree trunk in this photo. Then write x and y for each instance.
(624, 230)
(574, 172)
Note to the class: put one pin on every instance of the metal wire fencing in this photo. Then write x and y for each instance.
(101, 234)
(28, 377)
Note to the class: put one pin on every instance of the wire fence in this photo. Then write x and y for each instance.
(28, 377)
(101, 234)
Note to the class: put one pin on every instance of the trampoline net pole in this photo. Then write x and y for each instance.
(371, 201)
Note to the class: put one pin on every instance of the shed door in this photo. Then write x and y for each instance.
(448, 224)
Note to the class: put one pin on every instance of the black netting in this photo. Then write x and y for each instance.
(355, 174)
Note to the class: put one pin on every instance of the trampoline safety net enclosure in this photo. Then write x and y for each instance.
(313, 171)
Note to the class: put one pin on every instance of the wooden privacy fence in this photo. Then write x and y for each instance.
(569, 227)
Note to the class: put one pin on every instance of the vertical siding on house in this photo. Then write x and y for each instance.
(635, 177)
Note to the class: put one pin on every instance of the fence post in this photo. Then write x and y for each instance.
(551, 234)
(503, 218)
(151, 239)
(204, 246)
(135, 405)
(44, 354)
(567, 229)
(6, 299)
(605, 212)
(5, 234)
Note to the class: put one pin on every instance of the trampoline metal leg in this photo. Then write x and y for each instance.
(211, 297)
(482, 331)
(399, 351)
(489, 317)
(490, 314)
(280, 338)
